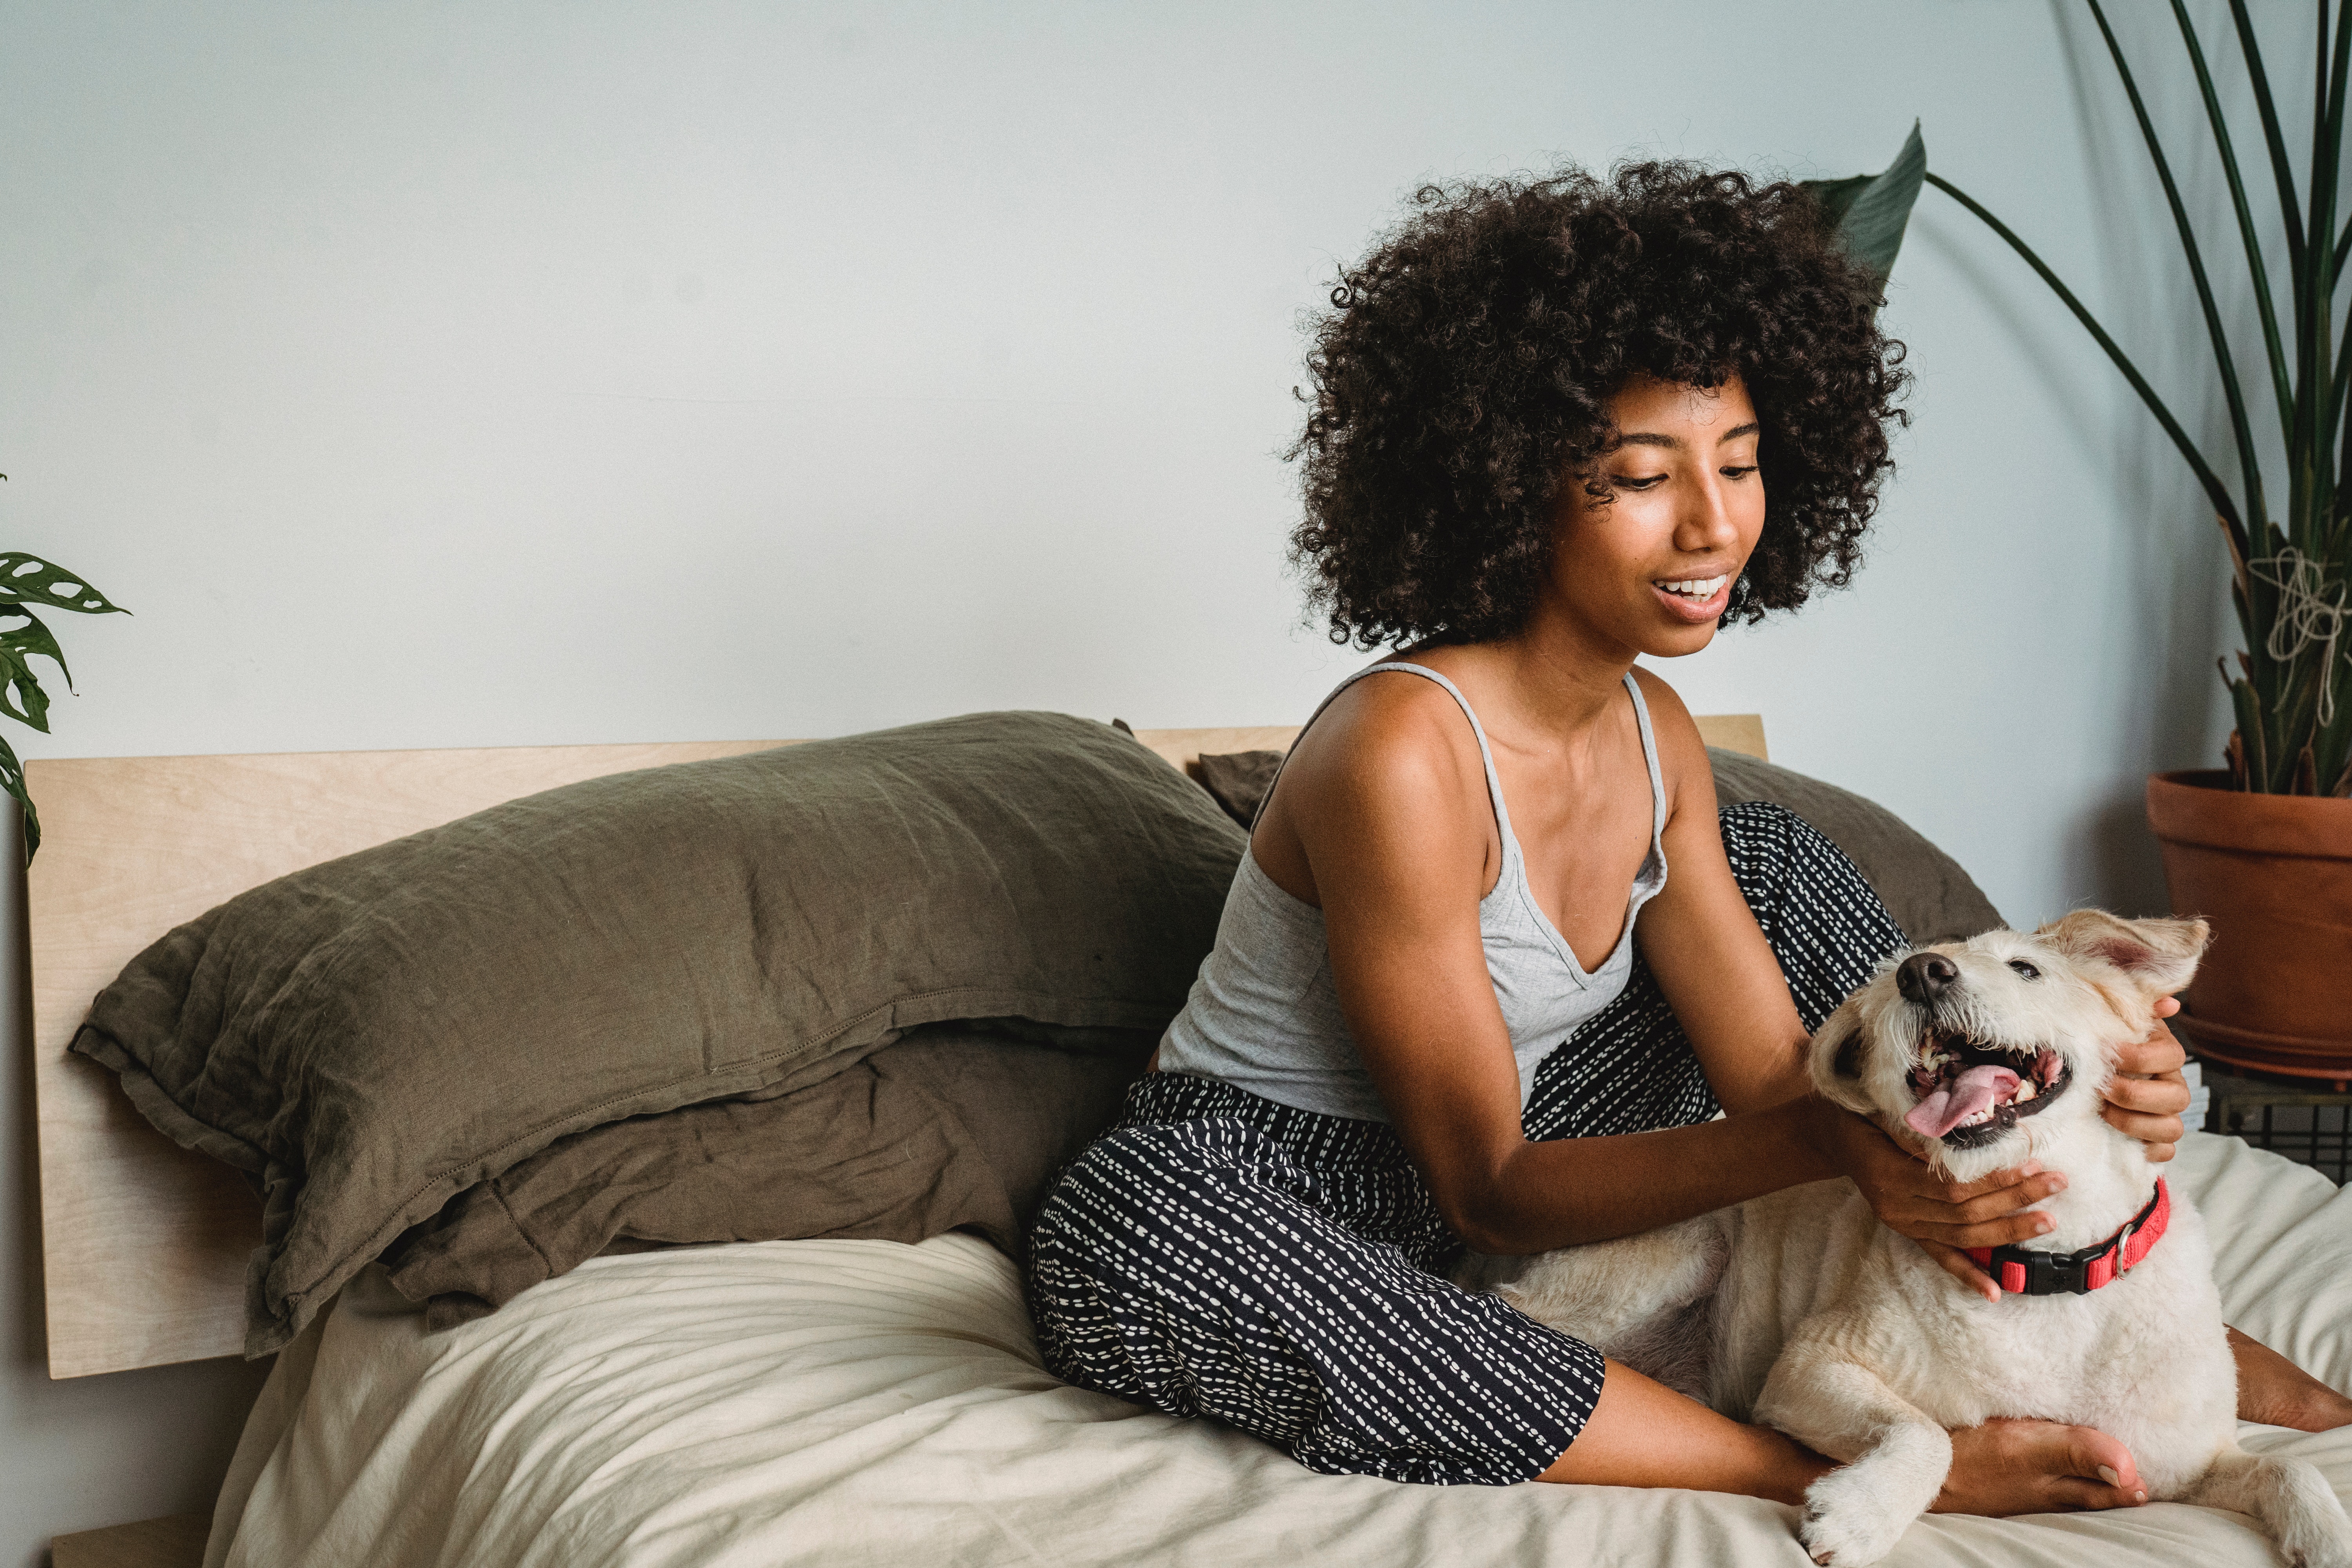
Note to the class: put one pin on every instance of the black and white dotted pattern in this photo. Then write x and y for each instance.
(1217, 1254)
(1629, 1068)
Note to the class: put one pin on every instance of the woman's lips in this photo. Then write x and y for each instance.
(1696, 612)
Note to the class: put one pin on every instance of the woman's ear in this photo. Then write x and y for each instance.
(1836, 1060)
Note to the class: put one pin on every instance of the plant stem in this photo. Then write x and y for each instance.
(2225, 509)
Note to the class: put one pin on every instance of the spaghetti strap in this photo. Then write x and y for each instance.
(1649, 756)
(1485, 753)
(1265, 1012)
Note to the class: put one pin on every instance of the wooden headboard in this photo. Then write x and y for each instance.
(144, 1244)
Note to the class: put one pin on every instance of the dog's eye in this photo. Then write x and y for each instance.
(2025, 968)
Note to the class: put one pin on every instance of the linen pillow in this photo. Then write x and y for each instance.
(369, 1037)
(1930, 897)
(952, 1127)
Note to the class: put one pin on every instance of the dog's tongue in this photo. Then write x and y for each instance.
(1948, 1107)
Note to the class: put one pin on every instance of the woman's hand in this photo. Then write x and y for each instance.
(2037, 1466)
(1945, 1218)
(2147, 1095)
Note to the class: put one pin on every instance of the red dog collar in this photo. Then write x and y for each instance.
(2023, 1273)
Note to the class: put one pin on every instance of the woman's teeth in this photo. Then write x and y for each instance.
(1696, 587)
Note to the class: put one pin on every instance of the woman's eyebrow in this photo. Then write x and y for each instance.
(1675, 443)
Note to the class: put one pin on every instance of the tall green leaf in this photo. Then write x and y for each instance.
(2282, 384)
(1872, 211)
(2249, 460)
(2224, 507)
(2273, 138)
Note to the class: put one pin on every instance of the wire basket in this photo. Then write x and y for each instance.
(2284, 1116)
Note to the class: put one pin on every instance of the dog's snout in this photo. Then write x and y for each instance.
(1925, 976)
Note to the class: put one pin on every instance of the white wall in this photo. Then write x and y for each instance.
(444, 375)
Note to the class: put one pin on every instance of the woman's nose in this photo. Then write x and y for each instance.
(1705, 522)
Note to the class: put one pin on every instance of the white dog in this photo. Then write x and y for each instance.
(1800, 1311)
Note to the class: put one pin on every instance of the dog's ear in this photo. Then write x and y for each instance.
(2159, 955)
(1836, 1059)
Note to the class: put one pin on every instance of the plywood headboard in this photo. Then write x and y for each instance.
(144, 1244)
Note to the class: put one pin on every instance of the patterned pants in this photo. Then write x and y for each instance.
(1217, 1254)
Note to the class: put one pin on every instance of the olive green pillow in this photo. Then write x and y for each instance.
(372, 1035)
(1927, 891)
(951, 1128)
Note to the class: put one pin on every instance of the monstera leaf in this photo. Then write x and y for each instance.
(27, 580)
(1872, 210)
(21, 697)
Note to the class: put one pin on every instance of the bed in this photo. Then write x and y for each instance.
(833, 1401)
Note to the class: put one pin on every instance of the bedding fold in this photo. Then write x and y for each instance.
(862, 1403)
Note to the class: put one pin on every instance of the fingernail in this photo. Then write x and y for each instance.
(2032, 1167)
(2057, 1183)
(2109, 1477)
(2139, 1496)
(2044, 1224)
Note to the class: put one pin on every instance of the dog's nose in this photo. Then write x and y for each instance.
(1923, 976)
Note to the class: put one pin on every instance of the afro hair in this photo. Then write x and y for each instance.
(1461, 380)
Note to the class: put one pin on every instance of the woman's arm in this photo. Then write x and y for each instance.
(1384, 810)
(1718, 975)
(1381, 819)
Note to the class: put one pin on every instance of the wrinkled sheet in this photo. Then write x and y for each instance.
(851, 1403)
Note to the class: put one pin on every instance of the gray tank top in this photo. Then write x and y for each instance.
(1264, 1013)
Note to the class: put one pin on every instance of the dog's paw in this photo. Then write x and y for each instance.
(2319, 1543)
(1847, 1522)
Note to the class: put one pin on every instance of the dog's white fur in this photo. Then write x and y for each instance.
(1800, 1311)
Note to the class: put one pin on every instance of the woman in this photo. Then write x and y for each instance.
(1556, 426)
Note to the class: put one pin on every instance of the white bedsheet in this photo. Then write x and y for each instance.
(866, 1403)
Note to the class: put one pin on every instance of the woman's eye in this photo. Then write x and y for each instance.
(1738, 473)
(2025, 968)
(1633, 482)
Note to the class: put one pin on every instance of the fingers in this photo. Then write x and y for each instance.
(2005, 1202)
(2165, 1006)
(1998, 1182)
(1996, 1215)
(1962, 1268)
(2164, 1095)
(2005, 1232)
(2156, 1054)
(2156, 1132)
(2148, 1108)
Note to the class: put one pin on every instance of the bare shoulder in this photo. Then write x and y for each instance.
(1389, 742)
(1682, 754)
(1386, 782)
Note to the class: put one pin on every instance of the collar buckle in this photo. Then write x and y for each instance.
(2057, 1274)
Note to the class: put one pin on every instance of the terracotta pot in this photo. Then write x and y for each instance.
(2274, 873)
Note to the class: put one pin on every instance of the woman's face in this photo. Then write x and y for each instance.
(1650, 567)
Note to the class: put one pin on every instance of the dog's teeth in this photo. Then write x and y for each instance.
(2024, 1091)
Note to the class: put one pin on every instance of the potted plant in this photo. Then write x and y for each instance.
(27, 580)
(2261, 847)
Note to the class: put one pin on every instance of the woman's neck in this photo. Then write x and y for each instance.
(1533, 684)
